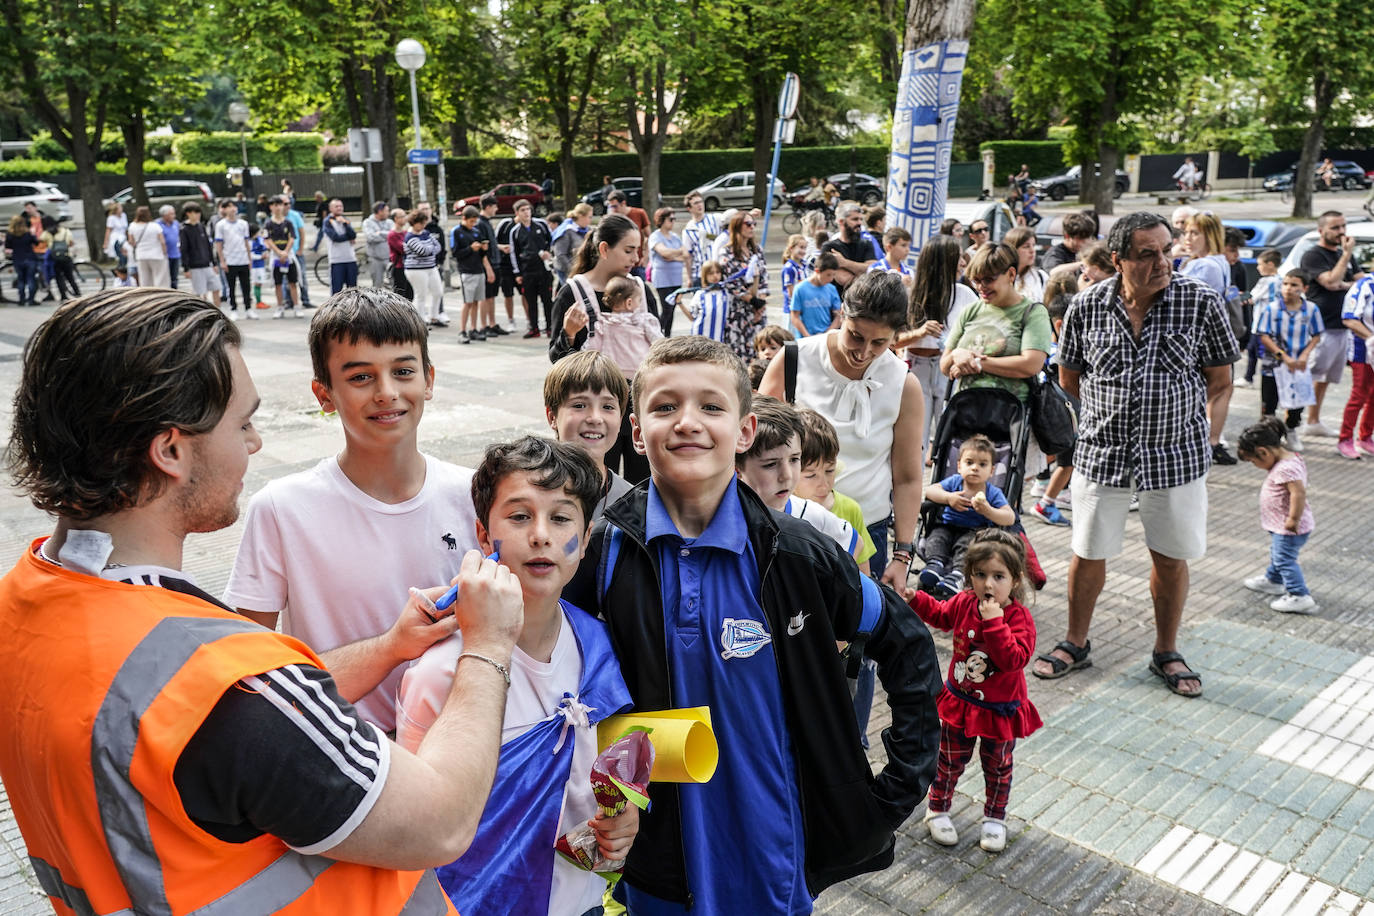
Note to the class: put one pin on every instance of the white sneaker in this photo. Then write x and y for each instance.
(298, 312)
(1294, 604)
(442, 321)
(941, 828)
(1064, 500)
(994, 837)
(1243, 383)
(251, 314)
(233, 315)
(1038, 488)
(279, 313)
(1293, 441)
(1319, 429)
(1262, 585)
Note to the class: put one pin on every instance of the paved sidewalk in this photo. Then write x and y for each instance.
(1258, 798)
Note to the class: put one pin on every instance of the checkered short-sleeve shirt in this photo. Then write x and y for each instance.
(1143, 414)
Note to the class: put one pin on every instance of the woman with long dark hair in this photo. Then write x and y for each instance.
(746, 281)
(937, 298)
(610, 251)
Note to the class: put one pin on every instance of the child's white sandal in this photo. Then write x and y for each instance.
(994, 837)
(941, 828)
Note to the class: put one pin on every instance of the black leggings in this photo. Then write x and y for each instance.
(244, 275)
(1269, 401)
(665, 310)
(65, 275)
(400, 285)
(536, 288)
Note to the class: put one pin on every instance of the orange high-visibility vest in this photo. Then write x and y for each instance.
(101, 686)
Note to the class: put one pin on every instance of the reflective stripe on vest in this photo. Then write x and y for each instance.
(124, 818)
(50, 879)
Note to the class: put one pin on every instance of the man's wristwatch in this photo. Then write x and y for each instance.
(907, 547)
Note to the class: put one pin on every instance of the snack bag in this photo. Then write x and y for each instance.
(620, 775)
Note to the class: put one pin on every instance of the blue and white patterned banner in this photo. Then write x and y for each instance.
(923, 137)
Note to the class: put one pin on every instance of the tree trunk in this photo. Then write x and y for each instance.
(1104, 184)
(936, 48)
(889, 58)
(763, 105)
(88, 186)
(1098, 177)
(567, 169)
(135, 132)
(1323, 94)
(458, 137)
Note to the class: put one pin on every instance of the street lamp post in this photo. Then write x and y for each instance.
(239, 114)
(410, 54)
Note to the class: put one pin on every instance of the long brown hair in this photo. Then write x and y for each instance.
(1007, 549)
(737, 237)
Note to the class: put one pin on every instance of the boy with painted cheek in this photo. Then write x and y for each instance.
(533, 498)
(713, 599)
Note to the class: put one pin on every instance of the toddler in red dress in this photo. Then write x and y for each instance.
(984, 700)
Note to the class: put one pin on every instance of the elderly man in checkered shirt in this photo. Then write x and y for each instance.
(1144, 352)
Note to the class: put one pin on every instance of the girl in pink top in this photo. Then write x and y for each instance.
(1284, 513)
(626, 333)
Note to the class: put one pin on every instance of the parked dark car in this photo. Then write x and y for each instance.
(1066, 183)
(1349, 176)
(1261, 234)
(507, 194)
(634, 194)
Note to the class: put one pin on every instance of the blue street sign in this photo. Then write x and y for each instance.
(423, 156)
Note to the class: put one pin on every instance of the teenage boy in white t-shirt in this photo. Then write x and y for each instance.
(336, 546)
(534, 500)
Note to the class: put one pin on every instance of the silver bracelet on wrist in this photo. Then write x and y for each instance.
(505, 672)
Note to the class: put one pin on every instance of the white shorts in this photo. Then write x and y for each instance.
(474, 287)
(261, 276)
(1174, 519)
(204, 280)
(1328, 357)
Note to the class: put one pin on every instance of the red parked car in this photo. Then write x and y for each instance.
(508, 194)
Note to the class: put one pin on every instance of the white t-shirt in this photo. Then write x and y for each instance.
(147, 241)
(119, 230)
(963, 298)
(338, 562)
(234, 235)
(536, 692)
(824, 521)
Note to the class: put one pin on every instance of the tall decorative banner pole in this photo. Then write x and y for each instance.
(923, 122)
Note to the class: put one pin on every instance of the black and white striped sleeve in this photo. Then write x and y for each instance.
(283, 753)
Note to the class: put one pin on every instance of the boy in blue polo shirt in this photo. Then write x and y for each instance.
(971, 503)
(815, 302)
(714, 600)
(1289, 329)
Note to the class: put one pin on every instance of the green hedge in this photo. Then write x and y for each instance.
(270, 152)
(1045, 157)
(41, 169)
(1335, 137)
(682, 169)
(158, 147)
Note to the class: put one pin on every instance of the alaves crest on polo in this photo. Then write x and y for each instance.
(742, 637)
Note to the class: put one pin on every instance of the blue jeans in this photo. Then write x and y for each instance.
(26, 279)
(1283, 562)
(342, 275)
(863, 690)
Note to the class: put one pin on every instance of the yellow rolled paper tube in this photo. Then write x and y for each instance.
(685, 748)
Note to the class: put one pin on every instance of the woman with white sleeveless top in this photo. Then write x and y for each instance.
(852, 378)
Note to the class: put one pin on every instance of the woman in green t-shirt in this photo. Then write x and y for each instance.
(1002, 339)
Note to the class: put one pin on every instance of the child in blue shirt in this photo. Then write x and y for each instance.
(971, 503)
(1265, 292)
(815, 303)
(1289, 329)
(713, 599)
(258, 263)
(712, 305)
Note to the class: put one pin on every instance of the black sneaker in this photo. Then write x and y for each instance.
(497, 331)
(477, 336)
(463, 337)
(1221, 456)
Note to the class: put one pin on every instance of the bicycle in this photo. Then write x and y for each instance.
(792, 222)
(320, 268)
(90, 278)
(1198, 190)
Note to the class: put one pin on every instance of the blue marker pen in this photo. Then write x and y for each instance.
(447, 598)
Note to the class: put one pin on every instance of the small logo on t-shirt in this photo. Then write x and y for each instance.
(795, 624)
(742, 638)
(449, 540)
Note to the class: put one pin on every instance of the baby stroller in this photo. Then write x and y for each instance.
(997, 414)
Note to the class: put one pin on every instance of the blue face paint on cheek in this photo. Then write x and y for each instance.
(570, 548)
(496, 547)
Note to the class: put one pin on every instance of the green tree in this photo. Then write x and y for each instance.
(70, 62)
(1107, 67)
(557, 47)
(1318, 74)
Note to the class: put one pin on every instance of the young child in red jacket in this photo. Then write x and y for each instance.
(985, 692)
